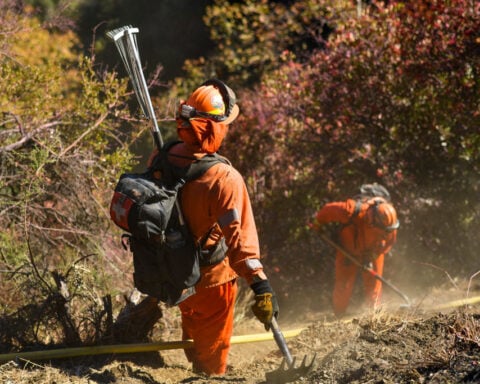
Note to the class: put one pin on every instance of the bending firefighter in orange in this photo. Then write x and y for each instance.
(217, 209)
(368, 232)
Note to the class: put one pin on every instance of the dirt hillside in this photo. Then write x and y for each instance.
(436, 340)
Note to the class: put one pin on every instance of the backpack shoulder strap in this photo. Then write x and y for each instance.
(358, 208)
(366, 199)
(200, 166)
(197, 168)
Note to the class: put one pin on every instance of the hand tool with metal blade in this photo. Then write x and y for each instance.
(287, 371)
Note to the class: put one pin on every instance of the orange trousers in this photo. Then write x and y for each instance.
(345, 275)
(207, 318)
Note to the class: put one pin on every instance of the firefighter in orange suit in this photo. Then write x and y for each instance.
(368, 232)
(217, 209)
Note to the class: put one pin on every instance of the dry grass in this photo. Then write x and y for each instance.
(11, 373)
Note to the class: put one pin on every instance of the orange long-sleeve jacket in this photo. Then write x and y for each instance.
(217, 204)
(358, 236)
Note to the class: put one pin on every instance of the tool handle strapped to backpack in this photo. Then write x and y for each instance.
(126, 42)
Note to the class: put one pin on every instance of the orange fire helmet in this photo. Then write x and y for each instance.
(383, 215)
(213, 100)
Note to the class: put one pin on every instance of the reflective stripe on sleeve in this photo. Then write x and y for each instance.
(229, 217)
(253, 264)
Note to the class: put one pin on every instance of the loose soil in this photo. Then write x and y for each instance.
(429, 342)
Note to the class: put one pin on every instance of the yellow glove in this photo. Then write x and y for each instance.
(265, 307)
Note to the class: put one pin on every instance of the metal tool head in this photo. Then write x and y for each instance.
(287, 374)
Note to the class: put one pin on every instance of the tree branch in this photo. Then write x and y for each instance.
(94, 126)
(28, 136)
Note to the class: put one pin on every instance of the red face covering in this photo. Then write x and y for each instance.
(202, 135)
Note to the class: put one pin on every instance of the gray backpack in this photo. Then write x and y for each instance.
(166, 258)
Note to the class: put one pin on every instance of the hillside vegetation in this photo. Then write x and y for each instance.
(332, 95)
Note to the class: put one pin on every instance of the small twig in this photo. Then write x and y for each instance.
(14, 271)
(29, 362)
(440, 269)
(78, 261)
(28, 136)
(470, 281)
(27, 239)
(19, 124)
(92, 46)
(74, 231)
(93, 127)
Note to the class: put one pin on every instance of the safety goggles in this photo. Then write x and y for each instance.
(188, 112)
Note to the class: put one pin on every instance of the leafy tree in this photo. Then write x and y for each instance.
(251, 36)
(171, 31)
(64, 134)
(330, 98)
(393, 98)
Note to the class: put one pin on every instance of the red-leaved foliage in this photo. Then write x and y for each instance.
(394, 99)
